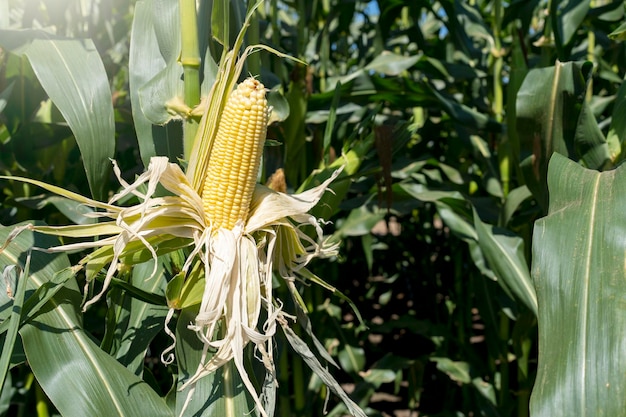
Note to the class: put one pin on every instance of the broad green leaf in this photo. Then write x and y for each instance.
(156, 78)
(553, 116)
(464, 21)
(352, 359)
(349, 162)
(618, 122)
(166, 26)
(578, 270)
(457, 371)
(71, 209)
(227, 18)
(279, 104)
(359, 222)
(485, 389)
(7, 393)
(504, 252)
(619, 34)
(78, 377)
(210, 73)
(567, 16)
(377, 377)
(36, 300)
(461, 113)
(100, 385)
(73, 75)
(330, 122)
(11, 262)
(389, 63)
(146, 60)
(220, 21)
(513, 200)
(161, 19)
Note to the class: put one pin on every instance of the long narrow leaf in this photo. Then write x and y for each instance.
(553, 116)
(146, 60)
(158, 20)
(72, 73)
(505, 253)
(567, 16)
(578, 268)
(78, 377)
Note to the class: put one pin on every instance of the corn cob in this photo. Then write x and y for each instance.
(236, 155)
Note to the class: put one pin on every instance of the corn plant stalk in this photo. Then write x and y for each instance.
(591, 45)
(190, 60)
(504, 151)
(497, 105)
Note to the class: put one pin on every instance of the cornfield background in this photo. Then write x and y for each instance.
(479, 218)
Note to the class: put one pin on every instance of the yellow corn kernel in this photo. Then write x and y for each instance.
(236, 155)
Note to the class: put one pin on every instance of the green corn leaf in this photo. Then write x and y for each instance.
(62, 356)
(553, 116)
(578, 269)
(153, 80)
(73, 75)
